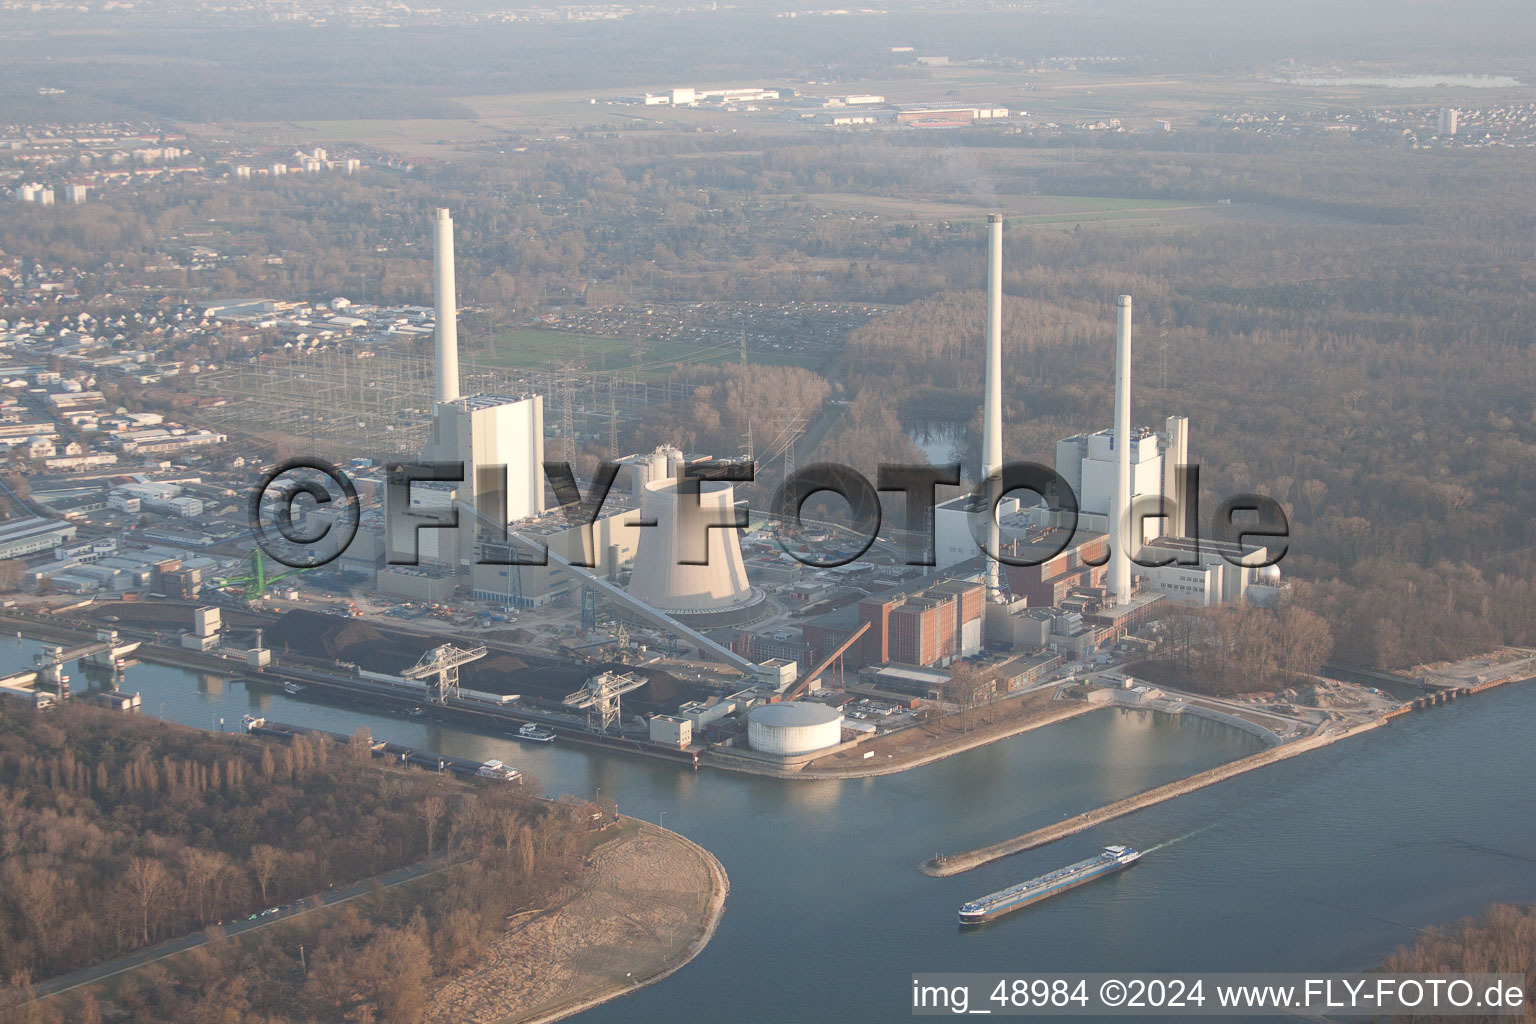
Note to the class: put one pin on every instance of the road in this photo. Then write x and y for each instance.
(132, 961)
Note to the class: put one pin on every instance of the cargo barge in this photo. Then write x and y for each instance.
(1004, 901)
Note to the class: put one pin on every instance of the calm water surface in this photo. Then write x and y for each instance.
(1327, 861)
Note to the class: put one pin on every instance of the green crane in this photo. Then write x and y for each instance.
(256, 581)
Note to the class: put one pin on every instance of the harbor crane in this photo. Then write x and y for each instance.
(599, 696)
(439, 669)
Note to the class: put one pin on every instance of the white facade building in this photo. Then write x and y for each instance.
(1087, 462)
(500, 441)
(490, 431)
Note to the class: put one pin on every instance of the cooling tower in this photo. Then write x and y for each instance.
(714, 593)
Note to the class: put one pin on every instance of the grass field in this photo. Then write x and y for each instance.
(537, 349)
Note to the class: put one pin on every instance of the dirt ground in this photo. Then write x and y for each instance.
(646, 906)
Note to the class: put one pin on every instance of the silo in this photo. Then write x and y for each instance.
(658, 465)
(674, 460)
(793, 729)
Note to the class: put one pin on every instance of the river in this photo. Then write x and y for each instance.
(1322, 862)
(943, 441)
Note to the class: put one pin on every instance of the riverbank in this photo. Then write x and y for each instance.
(895, 752)
(647, 904)
(904, 760)
(907, 749)
(957, 863)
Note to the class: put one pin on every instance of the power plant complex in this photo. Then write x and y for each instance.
(782, 663)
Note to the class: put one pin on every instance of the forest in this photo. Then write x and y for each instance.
(1240, 649)
(119, 832)
(1502, 940)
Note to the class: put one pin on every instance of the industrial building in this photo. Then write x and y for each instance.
(607, 546)
(671, 731)
(28, 535)
(927, 624)
(944, 117)
(1207, 574)
(499, 439)
(1081, 564)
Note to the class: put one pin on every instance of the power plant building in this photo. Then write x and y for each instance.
(499, 439)
(930, 625)
(1087, 462)
(486, 433)
(606, 547)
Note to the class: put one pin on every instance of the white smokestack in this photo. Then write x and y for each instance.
(1119, 524)
(447, 308)
(992, 413)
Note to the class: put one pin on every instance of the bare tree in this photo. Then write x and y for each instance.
(432, 810)
(203, 871)
(967, 687)
(148, 882)
(264, 863)
(38, 896)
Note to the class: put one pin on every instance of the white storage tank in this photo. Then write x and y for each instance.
(795, 728)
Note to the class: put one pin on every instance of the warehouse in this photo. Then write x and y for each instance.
(31, 534)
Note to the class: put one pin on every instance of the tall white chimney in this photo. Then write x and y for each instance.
(447, 308)
(1119, 524)
(992, 412)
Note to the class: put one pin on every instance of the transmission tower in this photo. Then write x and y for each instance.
(792, 426)
(613, 425)
(566, 388)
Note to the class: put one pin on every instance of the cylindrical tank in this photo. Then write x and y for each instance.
(795, 728)
(674, 461)
(658, 465)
